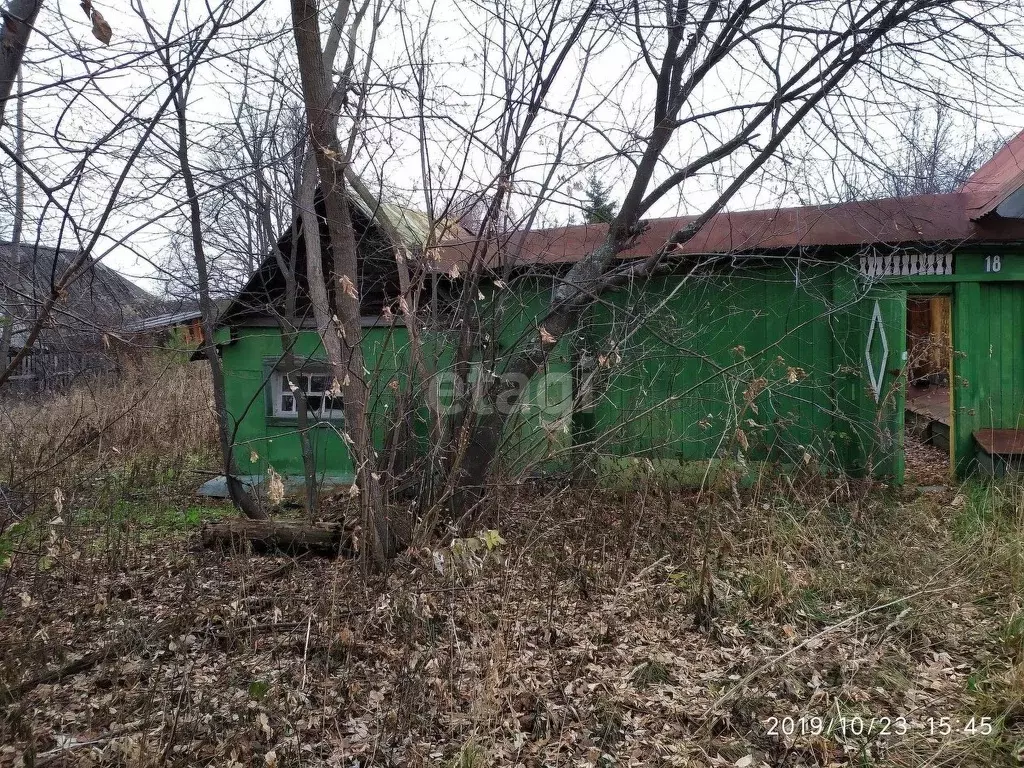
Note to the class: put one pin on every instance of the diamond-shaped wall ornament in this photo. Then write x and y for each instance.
(876, 374)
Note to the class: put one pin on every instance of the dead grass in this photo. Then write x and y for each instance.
(155, 418)
(572, 640)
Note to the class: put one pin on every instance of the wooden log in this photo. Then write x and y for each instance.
(289, 536)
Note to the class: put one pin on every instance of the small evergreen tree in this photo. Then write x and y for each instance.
(598, 207)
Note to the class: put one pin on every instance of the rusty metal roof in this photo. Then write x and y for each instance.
(928, 219)
(997, 179)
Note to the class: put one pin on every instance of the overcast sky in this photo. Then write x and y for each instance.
(68, 117)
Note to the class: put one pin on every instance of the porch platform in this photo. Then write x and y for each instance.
(1000, 451)
(927, 414)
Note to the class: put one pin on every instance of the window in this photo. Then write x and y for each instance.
(288, 386)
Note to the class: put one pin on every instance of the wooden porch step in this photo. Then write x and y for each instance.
(1000, 450)
(1000, 442)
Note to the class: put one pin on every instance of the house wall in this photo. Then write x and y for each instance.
(986, 291)
(988, 362)
(261, 441)
(767, 362)
(537, 432)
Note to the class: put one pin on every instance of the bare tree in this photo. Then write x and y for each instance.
(179, 86)
(8, 318)
(930, 150)
(337, 307)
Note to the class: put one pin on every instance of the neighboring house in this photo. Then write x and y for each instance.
(177, 321)
(75, 338)
(774, 336)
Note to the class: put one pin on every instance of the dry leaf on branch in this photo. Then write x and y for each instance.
(275, 487)
(348, 287)
(100, 29)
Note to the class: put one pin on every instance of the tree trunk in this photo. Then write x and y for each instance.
(19, 19)
(341, 338)
(327, 539)
(7, 332)
(242, 499)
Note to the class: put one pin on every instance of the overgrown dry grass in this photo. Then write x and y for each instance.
(591, 629)
(631, 628)
(157, 415)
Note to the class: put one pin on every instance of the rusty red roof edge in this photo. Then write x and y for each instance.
(921, 219)
(997, 179)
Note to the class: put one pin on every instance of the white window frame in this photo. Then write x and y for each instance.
(281, 383)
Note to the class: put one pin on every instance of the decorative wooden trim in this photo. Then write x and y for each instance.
(905, 264)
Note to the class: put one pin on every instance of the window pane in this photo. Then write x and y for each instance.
(287, 403)
(314, 403)
(319, 384)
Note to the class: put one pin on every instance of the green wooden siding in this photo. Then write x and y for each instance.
(762, 363)
(262, 442)
(767, 363)
(537, 434)
(988, 362)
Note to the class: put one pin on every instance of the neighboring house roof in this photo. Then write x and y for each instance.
(99, 296)
(997, 179)
(177, 312)
(163, 320)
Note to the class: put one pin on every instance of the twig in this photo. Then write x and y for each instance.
(284, 568)
(45, 757)
(305, 651)
(85, 663)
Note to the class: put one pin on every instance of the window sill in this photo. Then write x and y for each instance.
(282, 421)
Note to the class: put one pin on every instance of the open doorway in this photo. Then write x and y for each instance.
(929, 403)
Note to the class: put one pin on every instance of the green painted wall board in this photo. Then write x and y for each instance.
(988, 362)
(259, 444)
(538, 432)
(767, 362)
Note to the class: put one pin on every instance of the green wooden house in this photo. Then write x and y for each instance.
(789, 336)
(262, 364)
